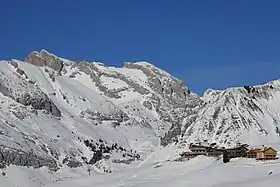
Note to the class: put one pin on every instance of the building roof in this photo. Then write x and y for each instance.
(238, 147)
(255, 150)
(268, 148)
(198, 146)
(264, 149)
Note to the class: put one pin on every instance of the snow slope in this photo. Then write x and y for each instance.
(198, 172)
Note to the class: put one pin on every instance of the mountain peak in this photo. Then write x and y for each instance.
(142, 63)
(45, 52)
(148, 67)
(44, 58)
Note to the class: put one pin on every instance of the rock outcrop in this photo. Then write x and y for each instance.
(32, 96)
(21, 158)
(45, 58)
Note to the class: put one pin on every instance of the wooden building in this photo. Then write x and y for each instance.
(252, 153)
(267, 153)
(264, 153)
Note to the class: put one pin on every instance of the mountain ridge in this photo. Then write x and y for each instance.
(75, 113)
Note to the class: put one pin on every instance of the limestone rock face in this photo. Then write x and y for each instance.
(40, 103)
(21, 158)
(44, 58)
(18, 87)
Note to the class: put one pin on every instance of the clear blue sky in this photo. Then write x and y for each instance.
(214, 44)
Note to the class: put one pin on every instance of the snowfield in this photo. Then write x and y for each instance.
(198, 172)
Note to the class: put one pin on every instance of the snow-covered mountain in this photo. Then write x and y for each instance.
(249, 114)
(59, 113)
(55, 111)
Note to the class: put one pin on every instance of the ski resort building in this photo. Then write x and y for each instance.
(214, 151)
(189, 155)
(238, 151)
(252, 153)
(267, 153)
(264, 153)
(201, 149)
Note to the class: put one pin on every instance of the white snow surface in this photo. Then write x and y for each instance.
(198, 172)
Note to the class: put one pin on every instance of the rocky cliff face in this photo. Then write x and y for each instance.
(15, 84)
(44, 58)
(21, 158)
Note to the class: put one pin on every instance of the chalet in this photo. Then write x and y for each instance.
(252, 153)
(266, 153)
